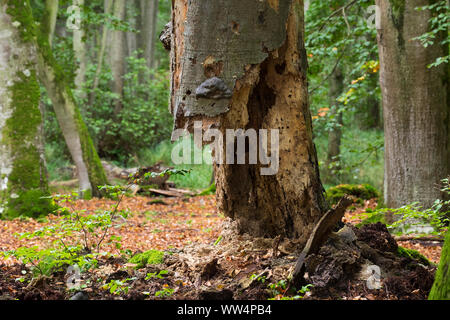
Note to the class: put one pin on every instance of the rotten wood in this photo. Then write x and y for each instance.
(319, 235)
(176, 193)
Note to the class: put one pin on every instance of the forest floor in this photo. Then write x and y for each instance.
(204, 258)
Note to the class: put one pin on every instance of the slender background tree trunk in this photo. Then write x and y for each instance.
(149, 16)
(101, 54)
(51, 6)
(117, 55)
(336, 87)
(79, 48)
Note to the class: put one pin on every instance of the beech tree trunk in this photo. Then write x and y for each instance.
(149, 16)
(89, 168)
(23, 177)
(133, 18)
(117, 54)
(336, 87)
(101, 54)
(416, 105)
(253, 53)
(51, 6)
(79, 48)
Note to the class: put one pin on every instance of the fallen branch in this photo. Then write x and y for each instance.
(420, 238)
(319, 235)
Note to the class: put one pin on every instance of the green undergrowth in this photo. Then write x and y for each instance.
(200, 174)
(361, 192)
(208, 191)
(146, 258)
(413, 254)
(372, 217)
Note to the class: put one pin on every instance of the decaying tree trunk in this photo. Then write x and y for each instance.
(416, 105)
(23, 177)
(242, 65)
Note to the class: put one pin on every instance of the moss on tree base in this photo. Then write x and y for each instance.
(441, 286)
(24, 186)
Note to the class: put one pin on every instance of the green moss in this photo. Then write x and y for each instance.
(361, 192)
(398, 8)
(208, 191)
(146, 258)
(372, 218)
(398, 18)
(21, 11)
(413, 254)
(441, 286)
(27, 183)
(97, 175)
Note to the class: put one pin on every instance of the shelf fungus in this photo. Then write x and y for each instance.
(213, 88)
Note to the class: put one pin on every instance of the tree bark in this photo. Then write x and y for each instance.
(23, 177)
(101, 54)
(336, 87)
(441, 286)
(133, 18)
(117, 55)
(149, 16)
(89, 168)
(79, 48)
(416, 105)
(51, 6)
(254, 52)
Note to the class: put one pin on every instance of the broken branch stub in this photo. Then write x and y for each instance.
(319, 235)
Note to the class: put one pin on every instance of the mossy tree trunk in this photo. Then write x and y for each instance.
(254, 51)
(441, 286)
(52, 6)
(23, 179)
(89, 168)
(416, 104)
